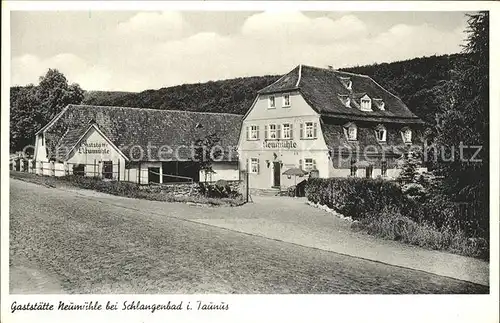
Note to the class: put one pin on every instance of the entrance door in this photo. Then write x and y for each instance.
(277, 174)
(107, 169)
(153, 174)
(369, 171)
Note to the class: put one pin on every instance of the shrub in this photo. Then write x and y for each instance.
(391, 224)
(221, 189)
(356, 197)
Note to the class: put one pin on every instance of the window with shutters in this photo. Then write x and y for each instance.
(308, 130)
(272, 133)
(254, 133)
(254, 165)
(351, 131)
(272, 102)
(287, 131)
(381, 133)
(309, 164)
(286, 100)
(407, 135)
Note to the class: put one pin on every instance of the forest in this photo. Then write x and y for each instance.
(419, 82)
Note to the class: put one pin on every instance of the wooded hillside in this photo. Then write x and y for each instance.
(419, 82)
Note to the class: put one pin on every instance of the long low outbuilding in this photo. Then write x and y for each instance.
(139, 145)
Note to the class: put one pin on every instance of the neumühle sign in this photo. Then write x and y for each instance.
(288, 144)
(93, 148)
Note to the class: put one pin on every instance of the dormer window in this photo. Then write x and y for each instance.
(351, 131)
(407, 135)
(379, 103)
(286, 100)
(381, 133)
(366, 103)
(346, 100)
(346, 81)
(272, 102)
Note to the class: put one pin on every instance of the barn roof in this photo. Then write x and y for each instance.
(323, 89)
(142, 128)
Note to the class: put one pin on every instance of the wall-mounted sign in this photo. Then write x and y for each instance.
(289, 144)
(94, 148)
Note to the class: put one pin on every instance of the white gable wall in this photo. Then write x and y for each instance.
(92, 150)
(298, 149)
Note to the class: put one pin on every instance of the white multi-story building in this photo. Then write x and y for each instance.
(336, 123)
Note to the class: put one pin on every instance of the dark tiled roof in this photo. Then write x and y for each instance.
(285, 83)
(321, 89)
(128, 127)
(69, 140)
(337, 142)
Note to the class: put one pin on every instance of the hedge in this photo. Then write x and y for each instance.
(356, 197)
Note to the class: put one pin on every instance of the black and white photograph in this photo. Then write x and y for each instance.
(181, 152)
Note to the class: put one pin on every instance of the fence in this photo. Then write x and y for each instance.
(106, 169)
(112, 170)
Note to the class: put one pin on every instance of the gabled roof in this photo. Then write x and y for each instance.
(126, 127)
(321, 88)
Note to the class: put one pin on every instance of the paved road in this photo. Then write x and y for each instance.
(65, 242)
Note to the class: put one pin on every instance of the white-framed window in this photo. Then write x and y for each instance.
(381, 133)
(381, 106)
(352, 131)
(286, 100)
(407, 135)
(309, 164)
(366, 103)
(253, 132)
(309, 129)
(287, 131)
(272, 102)
(346, 81)
(254, 165)
(272, 134)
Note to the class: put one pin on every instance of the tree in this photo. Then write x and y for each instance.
(466, 119)
(205, 153)
(32, 107)
(465, 123)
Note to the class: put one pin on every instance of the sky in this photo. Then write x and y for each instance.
(135, 51)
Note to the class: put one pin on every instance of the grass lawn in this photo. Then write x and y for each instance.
(126, 189)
